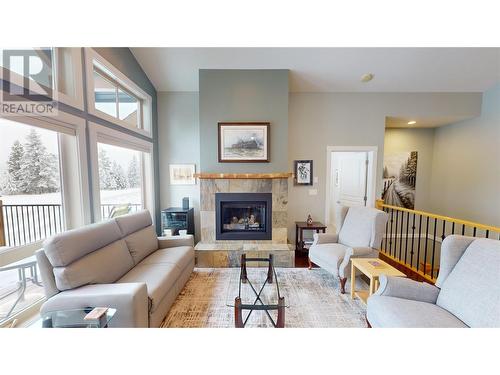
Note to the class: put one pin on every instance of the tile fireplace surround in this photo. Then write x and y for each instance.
(221, 253)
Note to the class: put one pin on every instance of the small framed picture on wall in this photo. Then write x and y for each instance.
(303, 172)
(182, 174)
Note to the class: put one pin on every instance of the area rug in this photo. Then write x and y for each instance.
(312, 297)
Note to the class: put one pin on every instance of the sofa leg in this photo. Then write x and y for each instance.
(368, 325)
(342, 284)
(310, 264)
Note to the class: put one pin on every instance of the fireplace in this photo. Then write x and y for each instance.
(243, 216)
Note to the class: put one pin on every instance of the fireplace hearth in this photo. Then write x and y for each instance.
(243, 216)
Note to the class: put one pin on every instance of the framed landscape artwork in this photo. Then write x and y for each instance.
(303, 172)
(182, 174)
(244, 142)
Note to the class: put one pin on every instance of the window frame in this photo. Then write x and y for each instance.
(71, 125)
(117, 78)
(101, 134)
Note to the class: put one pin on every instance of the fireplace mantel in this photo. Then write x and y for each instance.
(239, 176)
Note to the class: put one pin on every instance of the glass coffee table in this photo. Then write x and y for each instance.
(258, 292)
(75, 319)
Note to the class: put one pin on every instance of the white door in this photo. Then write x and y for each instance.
(350, 179)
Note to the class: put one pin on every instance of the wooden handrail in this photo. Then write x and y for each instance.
(441, 217)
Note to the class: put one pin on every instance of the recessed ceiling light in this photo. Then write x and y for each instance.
(412, 122)
(367, 77)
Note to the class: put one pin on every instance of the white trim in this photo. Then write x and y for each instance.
(77, 76)
(372, 174)
(102, 134)
(92, 56)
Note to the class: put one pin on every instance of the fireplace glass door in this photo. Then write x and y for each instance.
(243, 216)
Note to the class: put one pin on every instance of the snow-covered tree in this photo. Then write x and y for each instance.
(118, 175)
(39, 172)
(106, 180)
(12, 182)
(133, 173)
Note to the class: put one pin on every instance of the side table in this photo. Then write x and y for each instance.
(300, 226)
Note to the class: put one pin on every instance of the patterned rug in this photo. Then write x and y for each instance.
(312, 297)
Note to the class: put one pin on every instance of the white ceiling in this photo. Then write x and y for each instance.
(333, 69)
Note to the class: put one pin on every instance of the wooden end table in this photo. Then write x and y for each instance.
(300, 227)
(373, 273)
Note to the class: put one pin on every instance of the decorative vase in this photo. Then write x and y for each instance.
(309, 220)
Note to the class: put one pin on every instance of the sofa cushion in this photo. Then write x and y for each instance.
(142, 243)
(64, 248)
(102, 266)
(472, 289)
(131, 223)
(328, 256)
(159, 279)
(393, 312)
(180, 256)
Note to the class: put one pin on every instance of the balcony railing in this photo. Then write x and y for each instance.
(21, 224)
(412, 238)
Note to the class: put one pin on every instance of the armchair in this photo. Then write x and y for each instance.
(466, 294)
(360, 236)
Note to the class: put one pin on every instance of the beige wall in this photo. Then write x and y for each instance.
(422, 141)
(318, 120)
(466, 165)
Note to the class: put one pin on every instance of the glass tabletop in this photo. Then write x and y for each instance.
(75, 319)
(256, 285)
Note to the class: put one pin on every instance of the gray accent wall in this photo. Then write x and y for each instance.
(466, 165)
(242, 96)
(179, 138)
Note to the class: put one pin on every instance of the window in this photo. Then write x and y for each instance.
(120, 180)
(39, 161)
(114, 97)
(122, 166)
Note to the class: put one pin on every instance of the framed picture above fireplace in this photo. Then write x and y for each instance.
(244, 142)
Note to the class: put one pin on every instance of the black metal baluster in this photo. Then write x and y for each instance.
(487, 233)
(406, 239)
(453, 228)
(463, 229)
(401, 235)
(419, 238)
(443, 235)
(396, 235)
(426, 243)
(412, 240)
(433, 247)
(390, 239)
(474, 232)
(39, 222)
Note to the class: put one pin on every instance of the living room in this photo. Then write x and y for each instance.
(250, 186)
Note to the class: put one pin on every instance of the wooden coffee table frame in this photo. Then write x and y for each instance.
(239, 307)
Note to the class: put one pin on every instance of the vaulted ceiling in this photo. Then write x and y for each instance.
(333, 69)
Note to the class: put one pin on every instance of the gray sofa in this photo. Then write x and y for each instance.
(360, 236)
(466, 294)
(119, 263)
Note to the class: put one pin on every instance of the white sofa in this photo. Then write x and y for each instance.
(119, 263)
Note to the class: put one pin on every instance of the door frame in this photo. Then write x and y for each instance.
(371, 178)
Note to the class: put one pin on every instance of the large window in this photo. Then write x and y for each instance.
(39, 162)
(120, 180)
(122, 166)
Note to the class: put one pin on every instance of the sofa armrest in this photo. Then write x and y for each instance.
(402, 287)
(129, 299)
(174, 241)
(320, 238)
